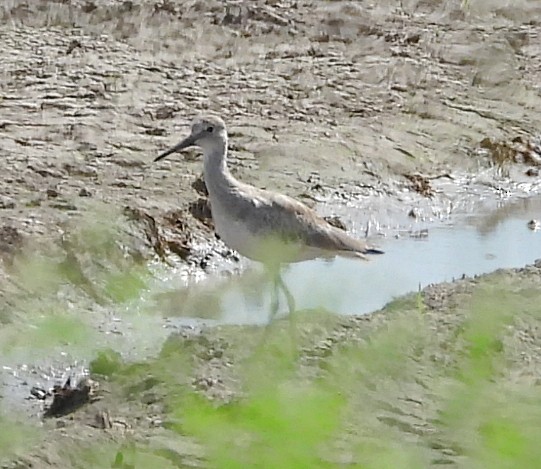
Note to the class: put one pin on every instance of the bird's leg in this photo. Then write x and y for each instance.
(289, 297)
(275, 298)
(280, 284)
(273, 272)
(275, 304)
(277, 285)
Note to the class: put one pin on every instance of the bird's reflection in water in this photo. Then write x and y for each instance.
(211, 298)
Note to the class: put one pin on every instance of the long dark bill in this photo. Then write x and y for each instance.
(187, 142)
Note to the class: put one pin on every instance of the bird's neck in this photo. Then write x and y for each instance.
(218, 178)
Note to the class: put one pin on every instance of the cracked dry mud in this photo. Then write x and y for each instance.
(386, 105)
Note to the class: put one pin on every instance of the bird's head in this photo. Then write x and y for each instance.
(208, 133)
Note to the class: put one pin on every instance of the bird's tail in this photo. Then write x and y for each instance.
(373, 251)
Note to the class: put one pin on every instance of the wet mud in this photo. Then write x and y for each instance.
(387, 118)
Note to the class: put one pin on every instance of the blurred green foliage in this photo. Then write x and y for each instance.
(14, 437)
(106, 363)
(284, 421)
(417, 390)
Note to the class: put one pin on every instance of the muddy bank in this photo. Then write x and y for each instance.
(404, 115)
(393, 117)
(401, 364)
(326, 100)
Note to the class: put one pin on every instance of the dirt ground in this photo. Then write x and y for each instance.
(388, 106)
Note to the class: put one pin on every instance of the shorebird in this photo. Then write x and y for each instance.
(262, 225)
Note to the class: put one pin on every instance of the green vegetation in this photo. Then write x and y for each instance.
(353, 405)
(416, 385)
(17, 438)
(488, 419)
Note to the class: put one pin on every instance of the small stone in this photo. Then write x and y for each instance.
(80, 170)
(84, 192)
(165, 112)
(38, 393)
(60, 424)
(74, 44)
(103, 420)
(156, 422)
(149, 398)
(204, 383)
(52, 193)
(6, 202)
(532, 172)
(413, 213)
(156, 131)
(33, 203)
(534, 225)
(63, 206)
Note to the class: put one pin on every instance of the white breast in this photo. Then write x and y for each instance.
(234, 233)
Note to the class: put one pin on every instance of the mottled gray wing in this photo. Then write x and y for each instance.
(292, 221)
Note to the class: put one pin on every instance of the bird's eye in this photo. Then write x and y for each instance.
(210, 129)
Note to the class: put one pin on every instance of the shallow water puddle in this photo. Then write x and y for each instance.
(474, 244)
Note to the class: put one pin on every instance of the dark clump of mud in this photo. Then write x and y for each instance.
(11, 242)
(68, 398)
(517, 151)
